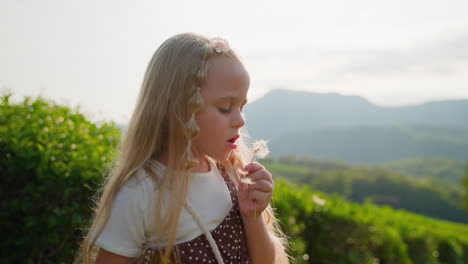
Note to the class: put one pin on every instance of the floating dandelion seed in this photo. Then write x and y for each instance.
(318, 200)
(247, 180)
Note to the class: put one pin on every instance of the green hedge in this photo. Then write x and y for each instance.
(427, 197)
(51, 160)
(343, 232)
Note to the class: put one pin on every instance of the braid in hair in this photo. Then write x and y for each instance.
(195, 104)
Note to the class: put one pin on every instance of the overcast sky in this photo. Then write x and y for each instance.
(94, 53)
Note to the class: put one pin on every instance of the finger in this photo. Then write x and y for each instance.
(243, 186)
(260, 196)
(259, 175)
(262, 185)
(253, 166)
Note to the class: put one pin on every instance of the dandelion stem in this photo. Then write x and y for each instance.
(260, 148)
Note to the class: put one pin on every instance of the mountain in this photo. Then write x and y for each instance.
(373, 145)
(282, 110)
(349, 128)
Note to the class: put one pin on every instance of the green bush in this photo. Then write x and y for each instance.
(431, 198)
(328, 229)
(51, 162)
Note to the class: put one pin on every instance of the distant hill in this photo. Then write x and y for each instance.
(349, 128)
(434, 168)
(280, 111)
(428, 197)
(374, 145)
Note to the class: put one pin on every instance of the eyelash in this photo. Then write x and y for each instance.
(227, 111)
(224, 111)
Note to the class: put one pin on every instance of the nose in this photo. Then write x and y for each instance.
(238, 120)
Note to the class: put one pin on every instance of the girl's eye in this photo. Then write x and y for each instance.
(224, 110)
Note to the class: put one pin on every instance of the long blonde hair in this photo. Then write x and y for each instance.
(170, 90)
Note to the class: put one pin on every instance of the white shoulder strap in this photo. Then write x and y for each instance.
(207, 233)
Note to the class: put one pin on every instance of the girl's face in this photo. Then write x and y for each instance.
(220, 119)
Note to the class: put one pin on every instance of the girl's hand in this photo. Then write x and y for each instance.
(255, 197)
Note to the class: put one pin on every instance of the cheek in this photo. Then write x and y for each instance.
(213, 128)
(205, 122)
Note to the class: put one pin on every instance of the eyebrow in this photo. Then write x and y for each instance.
(232, 98)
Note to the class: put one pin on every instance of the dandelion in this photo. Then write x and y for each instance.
(260, 149)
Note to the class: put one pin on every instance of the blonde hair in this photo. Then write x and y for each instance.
(159, 124)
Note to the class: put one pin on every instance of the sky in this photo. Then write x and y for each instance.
(94, 53)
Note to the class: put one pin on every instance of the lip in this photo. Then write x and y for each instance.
(233, 139)
(232, 142)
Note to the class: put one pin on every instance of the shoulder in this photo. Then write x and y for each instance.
(124, 233)
(142, 179)
(138, 191)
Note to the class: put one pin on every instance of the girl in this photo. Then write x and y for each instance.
(182, 189)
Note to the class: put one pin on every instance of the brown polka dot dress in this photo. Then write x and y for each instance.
(229, 236)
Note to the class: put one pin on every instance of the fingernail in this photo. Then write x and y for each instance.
(248, 167)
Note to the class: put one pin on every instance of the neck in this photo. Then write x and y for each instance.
(203, 165)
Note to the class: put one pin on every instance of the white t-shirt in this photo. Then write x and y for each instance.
(127, 231)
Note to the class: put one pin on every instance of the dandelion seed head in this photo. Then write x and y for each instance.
(260, 149)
